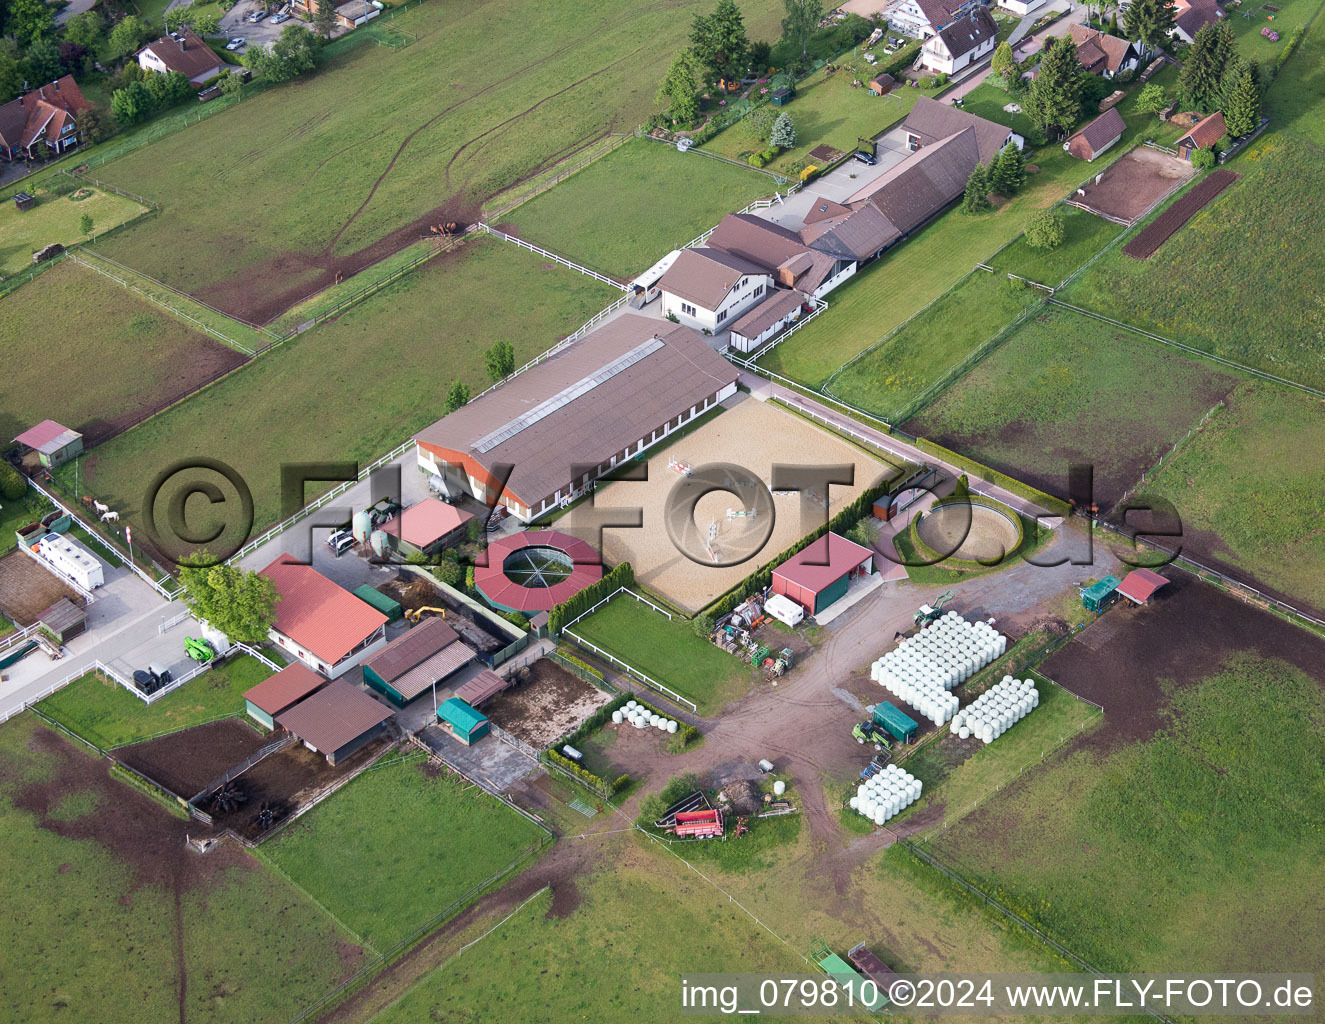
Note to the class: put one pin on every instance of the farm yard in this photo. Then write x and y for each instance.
(546, 702)
(367, 380)
(112, 917)
(58, 218)
(1250, 487)
(1230, 282)
(396, 846)
(1065, 389)
(621, 239)
(895, 375)
(486, 96)
(756, 435)
(120, 358)
(667, 650)
(105, 713)
(1167, 798)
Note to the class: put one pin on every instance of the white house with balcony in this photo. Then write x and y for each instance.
(707, 289)
(963, 44)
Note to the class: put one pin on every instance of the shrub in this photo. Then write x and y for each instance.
(12, 484)
(1046, 229)
(1205, 158)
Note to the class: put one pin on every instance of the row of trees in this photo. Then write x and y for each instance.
(1215, 77)
(1005, 174)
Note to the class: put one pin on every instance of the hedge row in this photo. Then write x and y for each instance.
(901, 60)
(840, 523)
(992, 476)
(622, 576)
(592, 782)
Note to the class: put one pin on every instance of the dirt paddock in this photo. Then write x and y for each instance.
(1184, 634)
(185, 761)
(27, 589)
(750, 434)
(1133, 185)
(549, 702)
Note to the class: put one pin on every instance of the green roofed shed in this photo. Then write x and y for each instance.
(388, 607)
(466, 724)
(1099, 596)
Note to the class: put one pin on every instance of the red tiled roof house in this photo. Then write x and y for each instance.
(324, 626)
(49, 114)
(183, 52)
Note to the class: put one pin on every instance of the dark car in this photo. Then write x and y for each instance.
(866, 157)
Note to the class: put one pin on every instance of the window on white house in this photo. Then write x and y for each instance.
(688, 309)
(722, 316)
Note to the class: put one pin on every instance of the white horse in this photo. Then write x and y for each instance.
(101, 509)
(110, 517)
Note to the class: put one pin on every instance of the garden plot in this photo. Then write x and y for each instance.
(57, 218)
(754, 436)
(1130, 186)
(546, 702)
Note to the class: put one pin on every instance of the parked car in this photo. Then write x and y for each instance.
(340, 542)
(257, 16)
(866, 157)
(235, 44)
(277, 19)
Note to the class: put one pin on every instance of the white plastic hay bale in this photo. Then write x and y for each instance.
(631, 705)
(672, 726)
(854, 803)
(779, 788)
(964, 733)
(616, 717)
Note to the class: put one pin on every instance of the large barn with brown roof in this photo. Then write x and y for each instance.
(547, 433)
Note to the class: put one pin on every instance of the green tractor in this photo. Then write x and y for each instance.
(868, 732)
(928, 613)
(199, 650)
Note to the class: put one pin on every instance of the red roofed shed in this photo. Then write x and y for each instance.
(323, 625)
(427, 527)
(1140, 584)
(819, 574)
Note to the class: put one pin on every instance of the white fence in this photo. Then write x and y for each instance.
(547, 254)
(635, 673)
(96, 666)
(18, 635)
(168, 624)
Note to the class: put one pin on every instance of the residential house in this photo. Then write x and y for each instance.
(1020, 8)
(1204, 134)
(184, 52)
(548, 433)
(962, 44)
(707, 288)
(321, 624)
(48, 114)
(921, 19)
(1101, 53)
(1096, 137)
(1190, 16)
(781, 253)
(348, 15)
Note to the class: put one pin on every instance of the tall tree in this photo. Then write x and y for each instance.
(41, 62)
(126, 37)
(1046, 229)
(802, 19)
(11, 77)
(1201, 81)
(324, 18)
(241, 604)
(1149, 22)
(86, 29)
(1008, 173)
(1054, 98)
(976, 197)
(1003, 62)
(784, 132)
(457, 395)
(680, 88)
(500, 360)
(1242, 106)
(130, 104)
(1152, 99)
(719, 41)
(28, 20)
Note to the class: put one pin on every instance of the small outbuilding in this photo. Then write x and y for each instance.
(1099, 596)
(24, 200)
(483, 686)
(53, 443)
(1101, 134)
(1139, 585)
(426, 528)
(781, 97)
(1204, 134)
(376, 599)
(882, 84)
(336, 721)
(820, 573)
(462, 721)
(64, 619)
(280, 692)
(411, 664)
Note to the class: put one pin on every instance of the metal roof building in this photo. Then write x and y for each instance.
(1139, 585)
(411, 664)
(53, 443)
(280, 692)
(548, 432)
(462, 721)
(336, 721)
(320, 623)
(820, 573)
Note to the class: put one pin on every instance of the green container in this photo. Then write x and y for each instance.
(1098, 597)
(388, 607)
(901, 725)
(62, 524)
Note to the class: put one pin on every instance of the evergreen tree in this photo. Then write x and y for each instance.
(1008, 172)
(1149, 22)
(719, 41)
(1113, 24)
(1003, 62)
(1054, 98)
(500, 360)
(976, 198)
(324, 19)
(1201, 82)
(679, 89)
(1242, 107)
(784, 132)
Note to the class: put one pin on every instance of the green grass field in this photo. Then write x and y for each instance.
(398, 845)
(911, 275)
(825, 111)
(1066, 389)
(1230, 281)
(357, 387)
(57, 219)
(1254, 478)
(1136, 862)
(592, 957)
(93, 936)
(611, 216)
(1085, 236)
(117, 354)
(1294, 101)
(666, 650)
(891, 378)
(487, 95)
(1247, 31)
(110, 716)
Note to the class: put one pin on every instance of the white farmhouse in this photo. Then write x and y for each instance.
(707, 289)
(962, 44)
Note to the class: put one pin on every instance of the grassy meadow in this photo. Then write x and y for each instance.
(1294, 102)
(57, 219)
(1085, 235)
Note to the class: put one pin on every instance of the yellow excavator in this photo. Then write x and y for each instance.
(416, 614)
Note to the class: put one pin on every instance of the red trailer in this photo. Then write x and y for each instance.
(699, 824)
(872, 967)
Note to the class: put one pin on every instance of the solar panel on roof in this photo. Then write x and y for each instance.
(567, 395)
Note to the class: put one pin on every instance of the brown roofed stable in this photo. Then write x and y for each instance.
(1205, 133)
(334, 717)
(417, 645)
(285, 688)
